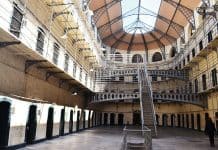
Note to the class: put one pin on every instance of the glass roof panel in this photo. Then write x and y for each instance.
(138, 15)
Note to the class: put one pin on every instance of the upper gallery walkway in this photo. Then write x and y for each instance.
(110, 138)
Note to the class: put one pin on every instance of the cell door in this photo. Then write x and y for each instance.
(100, 119)
(31, 125)
(112, 119)
(179, 120)
(192, 121)
(89, 119)
(105, 118)
(77, 120)
(198, 122)
(49, 127)
(61, 127)
(71, 122)
(136, 118)
(4, 123)
(84, 119)
(120, 119)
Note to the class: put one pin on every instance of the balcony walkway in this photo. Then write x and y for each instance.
(109, 138)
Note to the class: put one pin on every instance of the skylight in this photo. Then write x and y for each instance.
(139, 16)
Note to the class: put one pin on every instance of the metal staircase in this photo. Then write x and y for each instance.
(146, 102)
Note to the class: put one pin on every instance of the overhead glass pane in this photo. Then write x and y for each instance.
(139, 16)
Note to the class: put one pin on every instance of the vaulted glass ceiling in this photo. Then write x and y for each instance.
(138, 15)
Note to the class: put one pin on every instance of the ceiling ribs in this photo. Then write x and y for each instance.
(116, 43)
(131, 43)
(187, 12)
(100, 11)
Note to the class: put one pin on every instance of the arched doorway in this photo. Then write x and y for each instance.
(112, 119)
(136, 118)
(31, 124)
(61, 127)
(165, 120)
(198, 122)
(157, 119)
(118, 57)
(172, 118)
(173, 52)
(120, 119)
(179, 120)
(71, 122)
(49, 127)
(4, 123)
(105, 118)
(187, 120)
(192, 121)
(77, 120)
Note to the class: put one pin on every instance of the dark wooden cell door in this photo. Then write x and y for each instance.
(192, 121)
(187, 120)
(179, 120)
(112, 119)
(89, 119)
(77, 120)
(120, 119)
(198, 122)
(100, 119)
(71, 122)
(157, 119)
(49, 127)
(136, 118)
(93, 119)
(165, 122)
(183, 120)
(172, 117)
(105, 118)
(4, 123)
(31, 125)
(84, 119)
(61, 127)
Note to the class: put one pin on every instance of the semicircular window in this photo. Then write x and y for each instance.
(118, 57)
(137, 58)
(156, 57)
(139, 16)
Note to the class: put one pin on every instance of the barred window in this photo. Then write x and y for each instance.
(16, 21)
(66, 63)
(56, 53)
(214, 77)
(204, 82)
(80, 74)
(40, 40)
(74, 69)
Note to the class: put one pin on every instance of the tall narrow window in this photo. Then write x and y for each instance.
(66, 63)
(214, 77)
(200, 45)
(196, 85)
(56, 53)
(40, 40)
(80, 74)
(188, 58)
(193, 52)
(16, 21)
(86, 79)
(204, 82)
(74, 69)
(210, 36)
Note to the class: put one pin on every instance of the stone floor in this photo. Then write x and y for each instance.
(109, 138)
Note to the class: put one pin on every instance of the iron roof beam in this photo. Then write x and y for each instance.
(100, 11)
(131, 43)
(187, 12)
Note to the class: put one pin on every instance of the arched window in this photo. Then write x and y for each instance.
(118, 57)
(156, 57)
(137, 58)
(173, 52)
